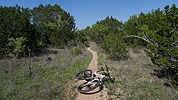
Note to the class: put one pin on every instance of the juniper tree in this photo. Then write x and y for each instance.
(160, 30)
(52, 22)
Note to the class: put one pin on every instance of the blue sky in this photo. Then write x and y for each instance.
(87, 12)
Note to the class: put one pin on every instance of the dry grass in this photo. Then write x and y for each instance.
(136, 78)
(53, 74)
(50, 77)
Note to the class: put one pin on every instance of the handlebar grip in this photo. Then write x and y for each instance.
(109, 74)
(106, 67)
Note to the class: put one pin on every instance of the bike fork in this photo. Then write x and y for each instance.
(92, 81)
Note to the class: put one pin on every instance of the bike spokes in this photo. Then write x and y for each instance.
(88, 86)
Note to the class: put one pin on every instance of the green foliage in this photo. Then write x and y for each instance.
(97, 32)
(15, 23)
(75, 47)
(103, 28)
(158, 31)
(114, 46)
(17, 45)
(165, 54)
(53, 25)
(76, 51)
(83, 35)
(107, 33)
(41, 26)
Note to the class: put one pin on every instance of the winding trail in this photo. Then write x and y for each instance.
(94, 62)
(92, 66)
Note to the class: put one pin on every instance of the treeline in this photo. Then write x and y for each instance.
(23, 29)
(157, 31)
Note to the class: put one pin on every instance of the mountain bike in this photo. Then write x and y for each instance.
(92, 79)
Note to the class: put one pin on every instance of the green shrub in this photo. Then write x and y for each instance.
(76, 51)
(114, 46)
(17, 46)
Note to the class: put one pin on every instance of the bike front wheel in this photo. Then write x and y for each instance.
(88, 86)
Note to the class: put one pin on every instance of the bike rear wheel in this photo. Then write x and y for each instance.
(86, 74)
(88, 86)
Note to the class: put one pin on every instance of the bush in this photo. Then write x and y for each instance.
(17, 45)
(76, 51)
(114, 46)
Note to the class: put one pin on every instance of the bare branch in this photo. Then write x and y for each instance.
(139, 38)
(124, 32)
(143, 38)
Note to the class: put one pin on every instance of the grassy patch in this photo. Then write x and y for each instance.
(48, 78)
(134, 79)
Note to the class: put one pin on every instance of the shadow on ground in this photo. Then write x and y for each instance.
(161, 73)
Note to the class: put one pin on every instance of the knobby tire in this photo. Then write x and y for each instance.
(84, 88)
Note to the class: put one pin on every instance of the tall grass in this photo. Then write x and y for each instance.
(49, 76)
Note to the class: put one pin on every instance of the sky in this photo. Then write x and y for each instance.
(88, 12)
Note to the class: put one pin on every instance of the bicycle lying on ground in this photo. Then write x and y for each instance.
(92, 81)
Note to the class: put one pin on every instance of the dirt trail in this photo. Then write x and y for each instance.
(94, 62)
(93, 66)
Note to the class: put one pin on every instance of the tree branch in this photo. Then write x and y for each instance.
(124, 32)
(145, 39)
(144, 36)
(139, 38)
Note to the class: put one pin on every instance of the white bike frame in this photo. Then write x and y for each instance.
(99, 78)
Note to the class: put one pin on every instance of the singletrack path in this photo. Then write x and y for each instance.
(94, 62)
(92, 66)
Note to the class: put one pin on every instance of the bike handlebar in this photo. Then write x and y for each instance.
(102, 69)
(109, 74)
(106, 68)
